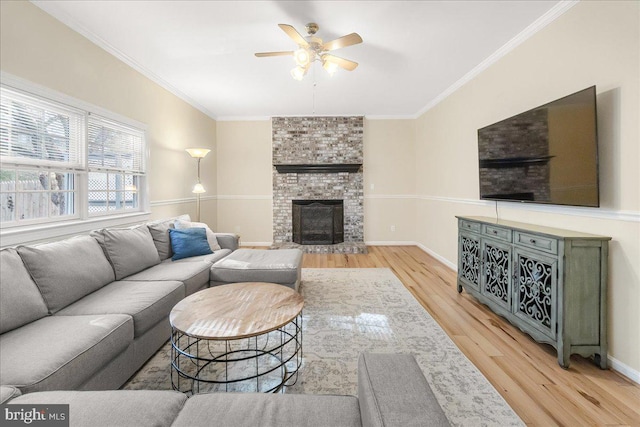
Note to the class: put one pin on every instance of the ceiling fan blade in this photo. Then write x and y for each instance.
(263, 54)
(344, 41)
(341, 62)
(294, 34)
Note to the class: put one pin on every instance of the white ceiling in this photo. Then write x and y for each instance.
(414, 52)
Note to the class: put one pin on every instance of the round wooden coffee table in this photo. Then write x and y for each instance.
(237, 337)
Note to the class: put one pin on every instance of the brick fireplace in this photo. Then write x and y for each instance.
(315, 159)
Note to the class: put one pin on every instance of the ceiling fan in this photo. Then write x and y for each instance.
(311, 48)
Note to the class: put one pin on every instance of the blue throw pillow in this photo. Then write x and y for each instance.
(189, 242)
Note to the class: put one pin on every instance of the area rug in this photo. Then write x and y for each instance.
(351, 310)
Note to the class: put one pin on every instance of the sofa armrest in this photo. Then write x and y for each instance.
(228, 240)
(392, 391)
(8, 392)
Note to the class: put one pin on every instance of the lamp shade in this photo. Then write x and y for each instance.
(298, 73)
(198, 189)
(330, 67)
(197, 153)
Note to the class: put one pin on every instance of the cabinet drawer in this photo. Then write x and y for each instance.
(497, 232)
(534, 241)
(470, 226)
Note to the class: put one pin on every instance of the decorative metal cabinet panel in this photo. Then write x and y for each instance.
(469, 260)
(496, 272)
(536, 290)
(550, 283)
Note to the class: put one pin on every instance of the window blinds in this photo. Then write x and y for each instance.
(35, 131)
(114, 147)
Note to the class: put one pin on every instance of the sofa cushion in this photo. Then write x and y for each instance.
(20, 300)
(129, 249)
(61, 352)
(8, 392)
(160, 234)
(281, 410)
(257, 265)
(393, 392)
(67, 270)
(117, 408)
(194, 275)
(228, 240)
(189, 242)
(147, 302)
(180, 224)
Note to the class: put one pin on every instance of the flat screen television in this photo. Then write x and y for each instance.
(545, 155)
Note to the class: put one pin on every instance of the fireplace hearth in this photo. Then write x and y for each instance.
(318, 222)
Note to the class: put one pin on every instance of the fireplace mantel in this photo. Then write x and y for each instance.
(319, 168)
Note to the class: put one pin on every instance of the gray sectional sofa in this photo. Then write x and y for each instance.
(86, 312)
(392, 392)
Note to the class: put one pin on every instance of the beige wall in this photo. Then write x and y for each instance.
(389, 180)
(244, 180)
(36, 47)
(593, 43)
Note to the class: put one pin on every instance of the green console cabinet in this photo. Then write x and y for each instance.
(550, 283)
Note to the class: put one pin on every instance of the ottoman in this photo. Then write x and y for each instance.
(282, 266)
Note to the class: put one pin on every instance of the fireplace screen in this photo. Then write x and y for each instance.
(318, 222)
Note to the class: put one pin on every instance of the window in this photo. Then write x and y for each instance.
(59, 162)
(116, 165)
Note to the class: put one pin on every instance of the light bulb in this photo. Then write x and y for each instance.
(298, 73)
(302, 57)
(198, 188)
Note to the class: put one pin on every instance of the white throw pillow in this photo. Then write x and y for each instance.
(180, 224)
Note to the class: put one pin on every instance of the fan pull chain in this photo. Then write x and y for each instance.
(313, 107)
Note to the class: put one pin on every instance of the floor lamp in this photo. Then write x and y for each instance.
(198, 189)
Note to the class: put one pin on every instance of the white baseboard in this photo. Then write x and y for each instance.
(437, 256)
(390, 243)
(624, 369)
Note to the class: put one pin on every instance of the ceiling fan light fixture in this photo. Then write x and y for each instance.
(311, 49)
(298, 73)
(330, 67)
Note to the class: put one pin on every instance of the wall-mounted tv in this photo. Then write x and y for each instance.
(545, 155)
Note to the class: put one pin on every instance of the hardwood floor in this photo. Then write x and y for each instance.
(525, 373)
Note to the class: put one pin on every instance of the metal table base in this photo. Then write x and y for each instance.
(266, 363)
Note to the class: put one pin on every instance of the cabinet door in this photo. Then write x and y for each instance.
(496, 272)
(535, 294)
(469, 260)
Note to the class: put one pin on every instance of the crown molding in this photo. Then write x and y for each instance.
(551, 15)
(243, 118)
(51, 9)
(390, 117)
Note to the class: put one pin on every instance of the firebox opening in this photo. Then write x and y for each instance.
(318, 222)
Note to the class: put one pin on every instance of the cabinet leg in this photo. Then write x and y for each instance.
(459, 288)
(564, 364)
(564, 356)
(600, 361)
